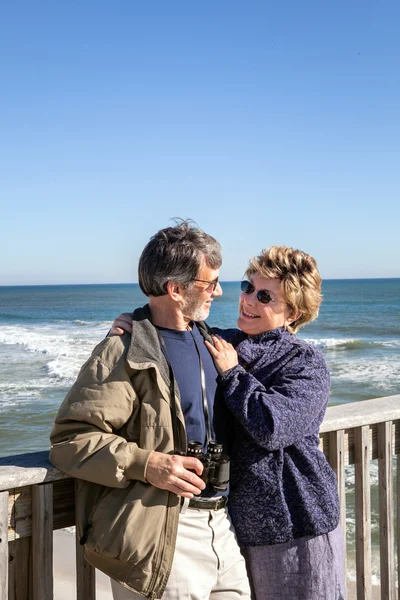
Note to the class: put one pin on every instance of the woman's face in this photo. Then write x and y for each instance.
(256, 317)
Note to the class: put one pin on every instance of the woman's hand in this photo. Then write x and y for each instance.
(224, 354)
(122, 324)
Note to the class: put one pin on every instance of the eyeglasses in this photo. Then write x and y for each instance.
(213, 283)
(262, 295)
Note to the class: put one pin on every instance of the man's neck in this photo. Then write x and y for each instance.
(163, 315)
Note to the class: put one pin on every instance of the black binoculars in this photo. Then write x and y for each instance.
(216, 464)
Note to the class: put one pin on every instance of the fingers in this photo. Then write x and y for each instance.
(121, 324)
(116, 331)
(171, 473)
(220, 342)
(213, 351)
(219, 345)
(193, 464)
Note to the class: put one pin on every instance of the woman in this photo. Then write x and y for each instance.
(283, 493)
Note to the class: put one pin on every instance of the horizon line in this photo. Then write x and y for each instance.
(136, 283)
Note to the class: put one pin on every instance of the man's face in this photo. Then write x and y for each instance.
(197, 299)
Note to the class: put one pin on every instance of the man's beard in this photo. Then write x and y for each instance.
(194, 308)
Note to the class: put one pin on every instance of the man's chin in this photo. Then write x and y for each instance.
(201, 314)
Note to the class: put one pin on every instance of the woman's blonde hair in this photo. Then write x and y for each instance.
(301, 281)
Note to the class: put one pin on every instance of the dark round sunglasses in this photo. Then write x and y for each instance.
(262, 295)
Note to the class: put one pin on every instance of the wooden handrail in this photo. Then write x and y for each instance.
(36, 498)
(357, 414)
(28, 469)
(33, 468)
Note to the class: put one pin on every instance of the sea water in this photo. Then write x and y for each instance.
(47, 333)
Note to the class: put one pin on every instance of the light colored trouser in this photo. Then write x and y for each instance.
(207, 561)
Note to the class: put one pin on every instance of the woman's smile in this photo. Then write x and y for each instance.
(249, 315)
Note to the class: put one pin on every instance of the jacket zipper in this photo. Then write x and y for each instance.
(153, 594)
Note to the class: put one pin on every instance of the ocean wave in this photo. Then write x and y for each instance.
(12, 394)
(64, 371)
(51, 339)
(13, 390)
(105, 324)
(351, 343)
(333, 342)
(57, 351)
(15, 317)
(389, 343)
(382, 372)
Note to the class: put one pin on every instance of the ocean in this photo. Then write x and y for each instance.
(47, 333)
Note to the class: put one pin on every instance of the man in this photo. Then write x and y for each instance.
(144, 515)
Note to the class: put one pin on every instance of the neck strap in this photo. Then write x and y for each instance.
(203, 392)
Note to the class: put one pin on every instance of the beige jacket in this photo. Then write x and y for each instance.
(115, 414)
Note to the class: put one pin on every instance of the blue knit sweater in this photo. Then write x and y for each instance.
(282, 486)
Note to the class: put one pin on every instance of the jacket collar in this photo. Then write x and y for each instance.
(144, 348)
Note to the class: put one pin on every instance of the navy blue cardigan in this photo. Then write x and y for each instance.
(282, 487)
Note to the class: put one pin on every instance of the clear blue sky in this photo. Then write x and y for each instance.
(266, 122)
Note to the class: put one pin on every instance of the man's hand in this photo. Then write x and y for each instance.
(170, 472)
(122, 324)
(224, 354)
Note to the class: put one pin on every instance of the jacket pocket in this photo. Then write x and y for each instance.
(127, 523)
(89, 522)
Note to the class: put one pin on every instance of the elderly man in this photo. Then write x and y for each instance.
(144, 514)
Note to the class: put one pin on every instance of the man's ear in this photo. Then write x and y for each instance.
(174, 290)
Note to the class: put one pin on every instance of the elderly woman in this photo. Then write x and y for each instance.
(283, 494)
(275, 388)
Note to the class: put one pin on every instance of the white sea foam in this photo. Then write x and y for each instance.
(60, 340)
(17, 395)
(349, 342)
(92, 324)
(350, 476)
(34, 358)
(331, 342)
(382, 372)
(362, 362)
(56, 340)
(389, 343)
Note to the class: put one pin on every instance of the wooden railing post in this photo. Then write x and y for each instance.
(85, 576)
(398, 524)
(85, 573)
(336, 460)
(42, 541)
(386, 515)
(3, 545)
(363, 512)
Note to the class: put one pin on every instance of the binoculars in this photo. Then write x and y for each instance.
(216, 464)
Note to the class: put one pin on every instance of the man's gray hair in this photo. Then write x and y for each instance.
(176, 254)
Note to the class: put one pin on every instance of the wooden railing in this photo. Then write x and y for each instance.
(35, 499)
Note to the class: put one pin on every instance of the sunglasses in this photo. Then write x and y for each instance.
(262, 295)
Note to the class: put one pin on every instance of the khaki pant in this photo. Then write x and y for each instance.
(207, 562)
